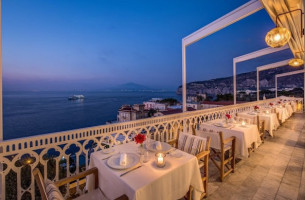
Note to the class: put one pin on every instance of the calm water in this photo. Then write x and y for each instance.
(33, 113)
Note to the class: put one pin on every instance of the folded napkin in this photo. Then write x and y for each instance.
(123, 159)
(158, 145)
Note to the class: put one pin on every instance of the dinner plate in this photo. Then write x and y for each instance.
(222, 125)
(108, 151)
(132, 160)
(252, 113)
(176, 154)
(165, 147)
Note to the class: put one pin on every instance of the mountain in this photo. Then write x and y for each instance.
(131, 87)
(245, 81)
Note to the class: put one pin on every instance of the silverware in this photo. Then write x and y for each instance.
(172, 150)
(130, 170)
(107, 157)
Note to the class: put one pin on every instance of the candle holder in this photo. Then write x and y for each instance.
(160, 159)
(243, 123)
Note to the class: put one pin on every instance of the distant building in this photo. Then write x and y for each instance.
(194, 105)
(196, 97)
(155, 104)
(128, 113)
(191, 98)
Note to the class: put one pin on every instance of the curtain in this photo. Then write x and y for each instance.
(291, 21)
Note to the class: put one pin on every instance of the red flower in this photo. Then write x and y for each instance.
(228, 116)
(271, 104)
(279, 102)
(256, 107)
(140, 138)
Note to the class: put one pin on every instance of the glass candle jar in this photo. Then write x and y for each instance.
(243, 123)
(160, 159)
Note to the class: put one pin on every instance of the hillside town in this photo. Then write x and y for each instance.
(157, 107)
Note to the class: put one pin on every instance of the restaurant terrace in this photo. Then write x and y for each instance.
(249, 150)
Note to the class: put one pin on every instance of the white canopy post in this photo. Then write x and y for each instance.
(269, 66)
(250, 56)
(239, 13)
(287, 74)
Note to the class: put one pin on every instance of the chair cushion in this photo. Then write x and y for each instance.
(191, 144)
(52, 191)
(95, 194)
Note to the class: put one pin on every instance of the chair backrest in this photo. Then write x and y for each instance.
(193, 144)
(40, 182)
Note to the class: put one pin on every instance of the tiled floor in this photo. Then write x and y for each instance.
(276, 170)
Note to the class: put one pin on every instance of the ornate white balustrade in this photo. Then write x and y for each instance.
(63, 154)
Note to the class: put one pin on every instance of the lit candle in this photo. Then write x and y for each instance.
(243, 123)
(267, 112)
(160, 159)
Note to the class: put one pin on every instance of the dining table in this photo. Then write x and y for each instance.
(270, 119)
(245, 135)
(146, 180)
(282, 111)
(294, 106)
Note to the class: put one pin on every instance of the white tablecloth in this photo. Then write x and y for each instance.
(148, 182)
(283, 113)
(245, 136)
(289, 109)
(294, 106)
(271, 121)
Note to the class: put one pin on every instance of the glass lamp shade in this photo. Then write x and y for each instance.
(296, 62)
(277, 37)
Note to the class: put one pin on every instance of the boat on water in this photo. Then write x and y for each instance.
(76, 97)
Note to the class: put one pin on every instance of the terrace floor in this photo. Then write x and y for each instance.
(276, 170)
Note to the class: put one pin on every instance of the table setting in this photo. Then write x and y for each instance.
(271, 121)
(246, 134)
(138, 169)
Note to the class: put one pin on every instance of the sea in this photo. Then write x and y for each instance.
(34, 113)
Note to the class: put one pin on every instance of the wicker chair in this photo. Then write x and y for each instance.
(96, 194)
(222, 151)
(203, 160)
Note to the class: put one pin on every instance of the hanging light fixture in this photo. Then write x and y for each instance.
(279, 36)
(296, 62)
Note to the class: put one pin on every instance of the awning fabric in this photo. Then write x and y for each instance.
(291, 21)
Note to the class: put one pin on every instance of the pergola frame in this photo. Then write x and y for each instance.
(266, 67)
(289, 74)
(239, 13)
(250, 56)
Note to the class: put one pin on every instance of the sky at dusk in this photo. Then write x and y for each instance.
(97, 44)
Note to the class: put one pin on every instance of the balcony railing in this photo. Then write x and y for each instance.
(62, 154)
